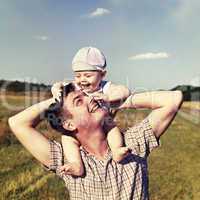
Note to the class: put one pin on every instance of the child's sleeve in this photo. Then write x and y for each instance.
(105, 86)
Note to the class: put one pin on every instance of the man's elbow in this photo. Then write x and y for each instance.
(177, 100)
(11, 122)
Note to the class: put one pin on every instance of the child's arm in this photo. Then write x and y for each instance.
(117, 93)
(72, 155)
(114, 95)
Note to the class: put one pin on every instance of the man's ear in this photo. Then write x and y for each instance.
(69, 125)
(103, 73)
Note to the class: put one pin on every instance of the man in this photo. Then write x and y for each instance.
(82, 117)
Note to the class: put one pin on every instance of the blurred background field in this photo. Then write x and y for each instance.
(173, 168)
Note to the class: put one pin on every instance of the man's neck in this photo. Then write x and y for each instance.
(95, 143)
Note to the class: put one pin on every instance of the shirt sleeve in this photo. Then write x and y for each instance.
(105, 86)
(141, 139)
(56, 159)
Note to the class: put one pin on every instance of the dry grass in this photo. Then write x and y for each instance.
(173, 168)
(191, 105)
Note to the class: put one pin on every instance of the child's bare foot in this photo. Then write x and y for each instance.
(72, 169)
(120, 153)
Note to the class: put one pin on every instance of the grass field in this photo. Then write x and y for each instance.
(173, 168)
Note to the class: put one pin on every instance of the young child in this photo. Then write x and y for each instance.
(89, 68)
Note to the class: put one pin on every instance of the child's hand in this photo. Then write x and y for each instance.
(56, 90)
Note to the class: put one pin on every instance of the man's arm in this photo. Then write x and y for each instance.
(23, 126)
(164, 105)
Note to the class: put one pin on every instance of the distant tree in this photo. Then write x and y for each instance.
(18, 86)
(190, 93)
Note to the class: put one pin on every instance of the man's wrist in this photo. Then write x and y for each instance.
(44, 105)
(50, 101)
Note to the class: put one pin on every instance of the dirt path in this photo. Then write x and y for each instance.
(192, 115)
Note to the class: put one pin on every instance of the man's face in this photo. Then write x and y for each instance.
(85, 111)
(88, 80)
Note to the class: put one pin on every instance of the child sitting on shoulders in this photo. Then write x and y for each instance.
(89, 65)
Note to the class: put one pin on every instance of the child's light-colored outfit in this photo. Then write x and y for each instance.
(103, 88)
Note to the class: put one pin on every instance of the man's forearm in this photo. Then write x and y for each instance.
(22, 125)
(32, 115)
(152, 100)
(164, 106)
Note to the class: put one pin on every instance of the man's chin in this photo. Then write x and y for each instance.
(103, 111)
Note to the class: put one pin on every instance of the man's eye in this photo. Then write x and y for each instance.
(78, 102)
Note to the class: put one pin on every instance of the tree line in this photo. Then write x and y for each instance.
(19, 86)
(190, 93)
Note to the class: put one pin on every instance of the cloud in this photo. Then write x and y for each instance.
(148, 56)
(99, 12)
(41, 37)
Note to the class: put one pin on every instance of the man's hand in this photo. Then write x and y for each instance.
(56, 90)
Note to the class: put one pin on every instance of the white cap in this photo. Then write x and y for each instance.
(89, 58)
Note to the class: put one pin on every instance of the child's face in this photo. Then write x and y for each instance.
(89, 80)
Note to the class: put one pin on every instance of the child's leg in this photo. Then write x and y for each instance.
(115, 141)
(74, 165)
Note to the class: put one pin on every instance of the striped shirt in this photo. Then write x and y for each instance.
(108, 180)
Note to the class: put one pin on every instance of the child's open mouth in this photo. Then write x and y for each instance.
(85, 86)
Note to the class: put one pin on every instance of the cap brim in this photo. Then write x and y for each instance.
(85, 67)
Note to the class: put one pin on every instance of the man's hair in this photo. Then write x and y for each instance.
(56, 114)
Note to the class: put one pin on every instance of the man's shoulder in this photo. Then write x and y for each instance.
(55, 144)
(56, 151)
(140, 138)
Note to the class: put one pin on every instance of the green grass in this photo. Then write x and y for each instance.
(173, 168)
(23, 178)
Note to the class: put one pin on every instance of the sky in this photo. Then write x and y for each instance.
(148, 44)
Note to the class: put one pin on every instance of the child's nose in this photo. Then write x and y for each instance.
(83, 79)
